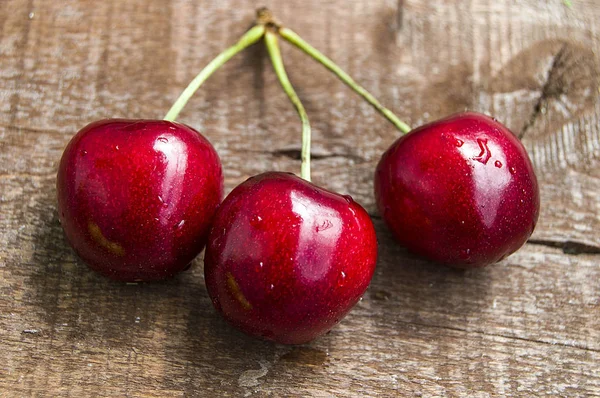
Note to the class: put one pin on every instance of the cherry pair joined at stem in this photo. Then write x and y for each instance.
(461, 205)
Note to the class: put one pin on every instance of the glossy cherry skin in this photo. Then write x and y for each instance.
(460, 191)
(136, 197)
(286, 260)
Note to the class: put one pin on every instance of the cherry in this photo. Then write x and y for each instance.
(460, 191)
(286, 260)
(136, 197)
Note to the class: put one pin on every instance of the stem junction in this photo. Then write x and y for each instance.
(266, 26)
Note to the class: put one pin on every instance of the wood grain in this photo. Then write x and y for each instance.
(529, 326)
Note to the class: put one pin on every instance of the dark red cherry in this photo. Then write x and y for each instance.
(286, 260)
(460, 191)
(136, 197)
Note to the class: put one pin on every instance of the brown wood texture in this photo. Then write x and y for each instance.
(528, 326)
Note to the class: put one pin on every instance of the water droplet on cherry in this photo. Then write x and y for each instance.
(459, 143)
(325, 225)
(180, 224)
(485, 154)
(498, 164)
(163, 140)
(465, 253)
(255, 220)
(342, 280)
(512, 170)
(348, 198)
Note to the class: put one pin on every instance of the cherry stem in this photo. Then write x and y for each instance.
(275, 55)
(296, 40)
(249, 38)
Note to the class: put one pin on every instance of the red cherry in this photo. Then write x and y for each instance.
(136, 197)
(460, 191)
(286, 260)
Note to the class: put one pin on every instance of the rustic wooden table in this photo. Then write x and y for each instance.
(527, 326)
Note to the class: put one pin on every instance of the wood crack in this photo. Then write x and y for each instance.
(400, 14)
(296, 155)
(539, 107)
(11, 126)
(567, 246)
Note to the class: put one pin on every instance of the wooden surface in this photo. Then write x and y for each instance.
(528, 326)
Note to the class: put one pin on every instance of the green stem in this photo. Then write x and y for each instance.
(296, 40)
(249, 38)
(275, 54)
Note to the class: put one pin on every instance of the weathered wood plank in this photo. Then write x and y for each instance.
(417, 329)
(528, 326)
